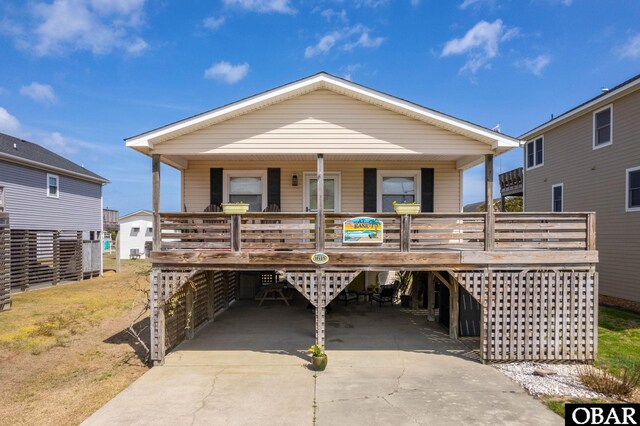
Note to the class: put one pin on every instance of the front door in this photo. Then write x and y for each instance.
(331, 192)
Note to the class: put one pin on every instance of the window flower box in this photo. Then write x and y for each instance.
(235, 208)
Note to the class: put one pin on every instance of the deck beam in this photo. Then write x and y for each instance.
(412, 261)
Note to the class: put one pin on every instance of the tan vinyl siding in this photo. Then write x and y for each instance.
(595, 180)
(447, 181)
(323, 121)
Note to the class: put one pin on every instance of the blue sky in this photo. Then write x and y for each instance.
(78, 76)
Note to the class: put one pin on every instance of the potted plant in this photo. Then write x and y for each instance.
(406, 208)
(318, 357)
(235, 208)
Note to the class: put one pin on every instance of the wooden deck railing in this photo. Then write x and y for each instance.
(424, 232)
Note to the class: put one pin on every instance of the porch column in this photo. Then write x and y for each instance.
(320, 276)
(454, 307)
(155, 200)
(320, 309)
(320, 202)
(431, 297)
(488, 202)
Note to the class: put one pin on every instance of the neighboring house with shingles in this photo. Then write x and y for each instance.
(588, 159)
(48, 198)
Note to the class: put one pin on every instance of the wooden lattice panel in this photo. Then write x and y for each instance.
(5, 270)
(180, 301)
(307, 284)
(536, 315)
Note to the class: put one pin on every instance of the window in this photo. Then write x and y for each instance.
(602, 129)
(557, 197)
(53, 189)
(398, 186)
(535, 153)
(149, 231)
(633, 189)
(135, 231)
(248, 187)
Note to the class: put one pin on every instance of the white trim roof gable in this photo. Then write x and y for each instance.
(139, 212)
(145, 142)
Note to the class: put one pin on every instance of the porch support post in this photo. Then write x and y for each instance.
(320, 308)
(235, 233)
(454, 308)
(489, 228)
(320, 204)
(431, 297)
(405, 233)
(155, 200)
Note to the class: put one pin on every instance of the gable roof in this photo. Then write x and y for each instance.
(621, 89)
(143, 212)
(145, 141)
(31, 154)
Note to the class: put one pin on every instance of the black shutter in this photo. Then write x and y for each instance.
(273, 187)
(426, 184)
(215, 186)
(369, 188)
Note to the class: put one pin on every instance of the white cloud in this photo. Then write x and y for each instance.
(349, 38)
(262, 6)
(39, 92)
(8, 123)
(98, 26)
(535, 65)
(476, 3)
(137, 46)
(349, 70)
(324, 45)
(631, 48)
(213, 23)
(365, 41)
(480, 44)
(330, 14)
(58, 144)
(226, 72)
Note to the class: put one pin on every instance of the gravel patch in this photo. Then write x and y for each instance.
(564, 383)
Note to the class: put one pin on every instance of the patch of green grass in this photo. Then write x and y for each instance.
(618, 340)
(557, 405)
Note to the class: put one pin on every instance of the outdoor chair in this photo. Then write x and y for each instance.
(385, 295)
(347, 296)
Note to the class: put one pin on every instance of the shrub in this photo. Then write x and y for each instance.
(604, 382)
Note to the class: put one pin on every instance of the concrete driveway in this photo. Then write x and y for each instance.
(386, 366)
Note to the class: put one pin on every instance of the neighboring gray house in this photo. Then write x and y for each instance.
(42, 191)
(588, 159)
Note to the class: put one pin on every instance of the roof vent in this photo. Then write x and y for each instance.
(15, 145)
(605, 90)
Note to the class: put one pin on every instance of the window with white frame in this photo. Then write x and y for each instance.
(633, 189)
(397, 186)
(557, 197)
(535, 153)
(53, 186)
(247, 186)
(602, 127)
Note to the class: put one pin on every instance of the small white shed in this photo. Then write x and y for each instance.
(136, 229)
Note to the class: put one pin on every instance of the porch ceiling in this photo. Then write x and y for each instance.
(462, 161)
